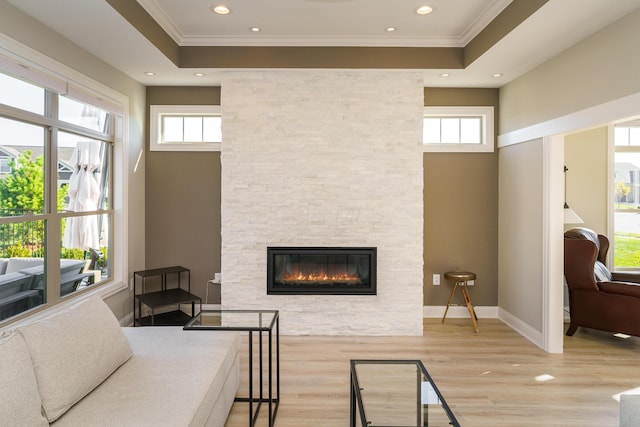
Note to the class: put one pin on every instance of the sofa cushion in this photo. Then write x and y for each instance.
(19, 263)
(11, 283)
(20, 404)
(73, 352)
(175, 378)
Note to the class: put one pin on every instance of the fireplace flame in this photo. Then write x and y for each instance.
(321, 278)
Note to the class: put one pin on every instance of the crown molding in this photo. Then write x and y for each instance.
(336, 41)
(165, 22)
(484, 19)
(181, 39)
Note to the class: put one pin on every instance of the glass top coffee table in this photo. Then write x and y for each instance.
(265, 323)
(396, 393)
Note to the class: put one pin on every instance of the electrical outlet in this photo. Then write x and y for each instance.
(471, 282)
(436, 280)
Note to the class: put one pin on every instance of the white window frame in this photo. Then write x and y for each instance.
(31, 65)
(155, 136)
(628, 148)
(4, 162)
(487, 144)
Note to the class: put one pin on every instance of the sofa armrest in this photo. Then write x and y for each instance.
(626, 276)
(621, 288)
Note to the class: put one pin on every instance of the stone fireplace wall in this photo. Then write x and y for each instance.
(324, 158)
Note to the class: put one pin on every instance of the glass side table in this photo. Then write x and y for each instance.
(264, 322)
(396, 393)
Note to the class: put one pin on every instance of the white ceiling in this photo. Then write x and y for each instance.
(98, 28)
(324, 22)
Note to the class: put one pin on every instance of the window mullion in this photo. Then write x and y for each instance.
(52, 220)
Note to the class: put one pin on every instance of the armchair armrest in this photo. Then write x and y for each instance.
(626, 276)
(621, 288)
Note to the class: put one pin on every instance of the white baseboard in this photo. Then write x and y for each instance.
(459, 311)
(127, 320)
(522, 328)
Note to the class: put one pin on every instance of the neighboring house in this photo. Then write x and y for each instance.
(8, 153)
(629, 175)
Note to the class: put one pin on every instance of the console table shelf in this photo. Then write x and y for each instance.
(163, 298)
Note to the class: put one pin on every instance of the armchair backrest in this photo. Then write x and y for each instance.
(580, 256)
(601, 242)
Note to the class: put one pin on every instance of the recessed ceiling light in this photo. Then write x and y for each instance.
(150, 73)
(424, 10)
(496, 75)
(255, 29)
(198, 74)
(390, 29)
(444, 75)
(221, 10)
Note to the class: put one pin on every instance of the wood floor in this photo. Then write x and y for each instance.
(488, 379)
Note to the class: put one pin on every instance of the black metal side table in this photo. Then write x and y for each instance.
(260, 321)
(163, 297)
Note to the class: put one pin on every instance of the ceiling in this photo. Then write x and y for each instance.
(98, 28)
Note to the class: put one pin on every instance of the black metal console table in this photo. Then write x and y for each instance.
(250, 321)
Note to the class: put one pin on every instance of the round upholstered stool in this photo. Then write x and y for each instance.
(460, 279)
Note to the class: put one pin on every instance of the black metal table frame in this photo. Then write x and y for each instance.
(274, 402)
(356, 397)
(162, 272)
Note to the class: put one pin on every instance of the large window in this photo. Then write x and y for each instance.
(626, 244)
(185, 128)
(56, 209)
(462, 129)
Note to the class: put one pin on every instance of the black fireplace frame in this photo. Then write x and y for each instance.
(282, 289)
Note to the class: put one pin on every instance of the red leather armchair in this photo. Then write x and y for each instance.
(598, 298)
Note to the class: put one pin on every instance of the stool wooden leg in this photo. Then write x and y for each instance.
(472, 311)
(453, 291)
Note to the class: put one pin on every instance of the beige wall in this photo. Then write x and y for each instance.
(183, 200)
(585, 155)
(460, 197)
(20, 27)
(461, 209)
(521, 232)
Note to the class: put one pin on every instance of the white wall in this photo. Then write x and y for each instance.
(520, 241)
(600, 69)
(586, 156)
(324, 158)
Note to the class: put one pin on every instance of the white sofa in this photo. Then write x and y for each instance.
(629, 410)
(80, 368)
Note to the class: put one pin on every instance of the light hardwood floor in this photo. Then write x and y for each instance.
(488, 379)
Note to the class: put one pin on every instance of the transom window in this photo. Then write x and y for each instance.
(185, 128)
(466, 129)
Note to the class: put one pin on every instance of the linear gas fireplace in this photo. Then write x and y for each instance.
(321, 271)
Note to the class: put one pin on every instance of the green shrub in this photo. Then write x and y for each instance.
(16, 251)
(71, 253)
